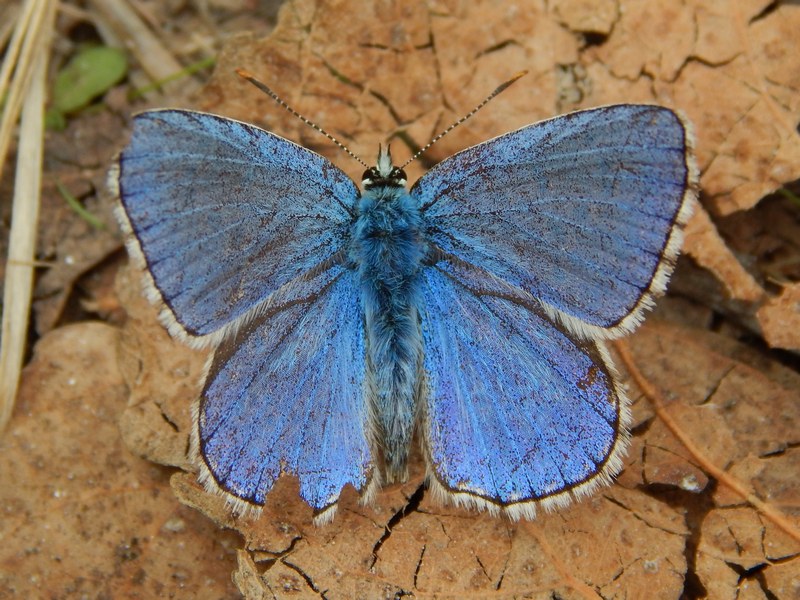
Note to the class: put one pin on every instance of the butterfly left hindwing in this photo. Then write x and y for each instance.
(285, 396)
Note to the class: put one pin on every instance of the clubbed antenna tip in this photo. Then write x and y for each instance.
(486, 100)
(249, 77)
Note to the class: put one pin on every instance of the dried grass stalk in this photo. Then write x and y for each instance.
(29, 50)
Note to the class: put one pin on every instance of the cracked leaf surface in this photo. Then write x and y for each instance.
(402, 73)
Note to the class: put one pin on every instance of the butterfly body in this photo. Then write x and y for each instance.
(469, 311)
(387, 248)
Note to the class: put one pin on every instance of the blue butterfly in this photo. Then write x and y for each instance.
(468, 312)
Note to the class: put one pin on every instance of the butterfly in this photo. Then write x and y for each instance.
(468, 312)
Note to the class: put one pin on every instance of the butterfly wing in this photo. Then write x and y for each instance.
(517, 412)
(222, 214)
(285, 396)
(580, 211)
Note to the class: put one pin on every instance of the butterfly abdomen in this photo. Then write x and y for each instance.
(387, 248)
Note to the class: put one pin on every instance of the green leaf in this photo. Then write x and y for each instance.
(91, 72)
(55, 120)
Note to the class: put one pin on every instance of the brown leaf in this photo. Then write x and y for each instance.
(163, 375)
(704, 244)
(587, 15)
(780, 318)
(402, 72)
(753, 436)
(82, 515)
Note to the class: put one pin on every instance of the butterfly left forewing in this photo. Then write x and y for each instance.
(517, 412)
(221, 214)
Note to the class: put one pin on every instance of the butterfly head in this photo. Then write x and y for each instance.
(384, 173)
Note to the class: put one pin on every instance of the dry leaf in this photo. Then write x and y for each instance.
(79, 158)
(82, 516)
(401, 73)
(371, 80)
(745, 419)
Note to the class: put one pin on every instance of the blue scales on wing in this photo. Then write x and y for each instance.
(285, 395)
(517, 413)
(223, 214)
(579, 211)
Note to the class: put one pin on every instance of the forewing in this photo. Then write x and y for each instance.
(582, 211)
(517, 412)
(285, 395)
(222, 214)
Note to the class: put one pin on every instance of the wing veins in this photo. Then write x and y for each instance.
(516, 300)
(588, 283)
(276, 309)
(479, 295)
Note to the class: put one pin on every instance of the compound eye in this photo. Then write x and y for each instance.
(399, 173)
(367, 175)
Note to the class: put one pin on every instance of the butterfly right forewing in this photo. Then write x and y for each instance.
(583, 211)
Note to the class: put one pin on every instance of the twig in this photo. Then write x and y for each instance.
(16, 69)
(155, 59)
(8, 17)
(722, 477)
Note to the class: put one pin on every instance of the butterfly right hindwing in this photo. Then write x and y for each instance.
(517, 412)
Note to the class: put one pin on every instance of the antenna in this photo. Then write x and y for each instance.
(246, 75)
(486, 100)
